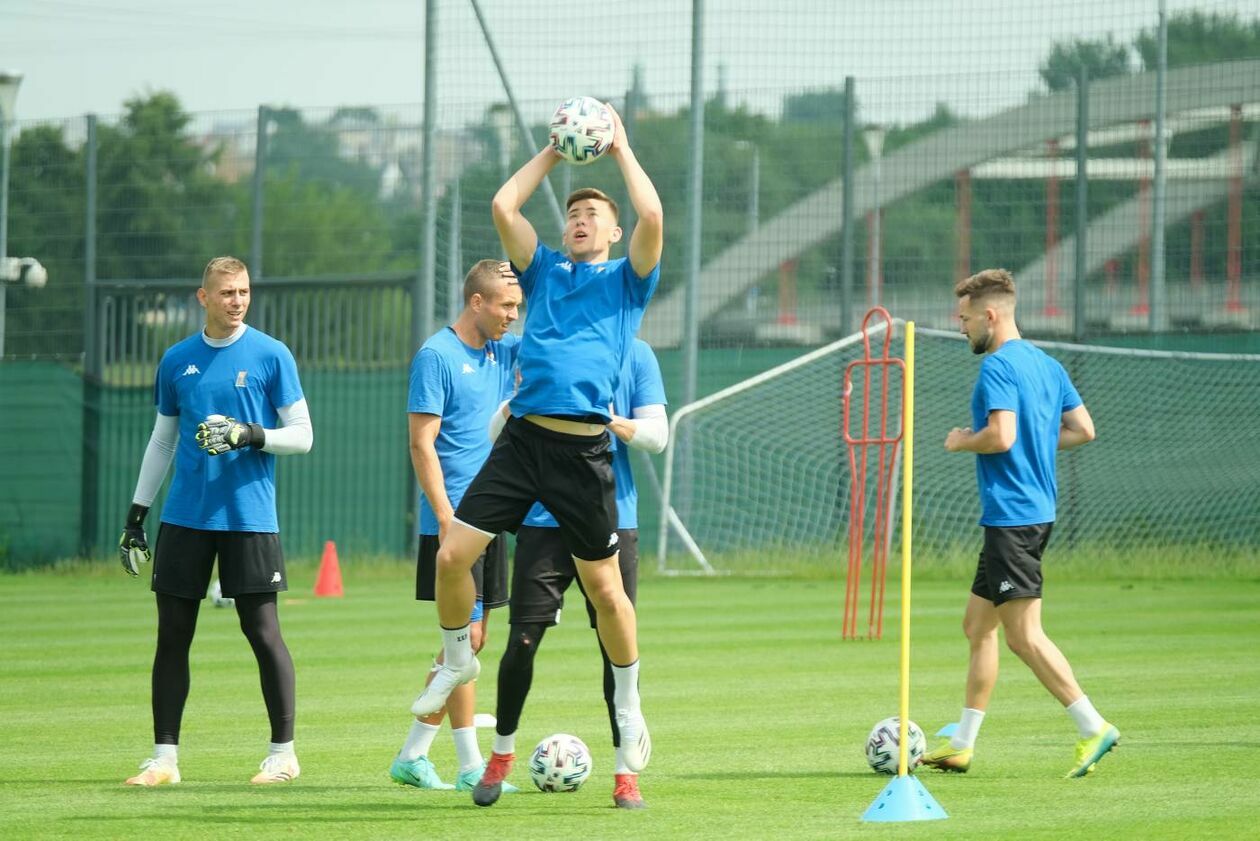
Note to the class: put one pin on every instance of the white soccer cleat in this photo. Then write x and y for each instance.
(636, 744)
(277, 768)
(155, 772)
(445, 679)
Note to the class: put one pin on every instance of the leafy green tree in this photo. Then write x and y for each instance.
(161, 211)
(1102, 59)
(1198, 37)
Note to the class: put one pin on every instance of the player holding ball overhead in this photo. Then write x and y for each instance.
(582, 312)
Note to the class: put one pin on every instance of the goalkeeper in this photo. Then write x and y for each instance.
(228, 401)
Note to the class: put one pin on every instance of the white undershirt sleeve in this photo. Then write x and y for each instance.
(157, 459)
(651, 428)
(294, 436)
(498, 420)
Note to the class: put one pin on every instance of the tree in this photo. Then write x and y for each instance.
(160, 207)
(1200, 37)
(1102, 59)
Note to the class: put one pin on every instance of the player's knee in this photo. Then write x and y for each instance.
(522, 644)
(607, 596)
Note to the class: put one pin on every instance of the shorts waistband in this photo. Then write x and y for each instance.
(571, 428)
(535, 429)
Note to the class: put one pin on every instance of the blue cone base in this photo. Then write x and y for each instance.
(948, 730)
(904, 799)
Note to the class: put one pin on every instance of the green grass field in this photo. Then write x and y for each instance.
(758, 714)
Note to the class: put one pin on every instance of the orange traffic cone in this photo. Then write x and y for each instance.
(329, 581)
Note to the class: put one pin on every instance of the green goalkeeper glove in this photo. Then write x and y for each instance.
(133, 546)
(217, 434)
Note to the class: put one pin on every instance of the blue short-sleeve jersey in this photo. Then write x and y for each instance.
(463, 386)
(248, 380)
(1018, 487)
(580, 319)
(640, 385)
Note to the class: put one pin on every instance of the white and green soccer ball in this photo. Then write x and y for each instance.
(560, 763)
(883, 745)
(582, 129)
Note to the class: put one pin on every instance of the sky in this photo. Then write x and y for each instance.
(88, 56)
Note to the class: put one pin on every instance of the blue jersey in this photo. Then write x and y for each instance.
(1018, 487)
(641, 385)
(463, 386)
(579, 321)
(247, 380)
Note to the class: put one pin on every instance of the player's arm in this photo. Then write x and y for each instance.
(1076, 427)
(422, 431)
(218, 434)
(997, 437)
(515, 232)
(648, 238)
(133, 546)
(648, 430)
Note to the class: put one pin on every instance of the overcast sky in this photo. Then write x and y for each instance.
(81, 56)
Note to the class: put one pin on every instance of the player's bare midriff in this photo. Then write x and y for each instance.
(567, 426)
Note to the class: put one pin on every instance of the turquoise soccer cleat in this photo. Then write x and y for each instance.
(419, 773)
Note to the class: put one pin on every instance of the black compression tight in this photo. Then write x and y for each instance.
(177, 623)
(516, 673)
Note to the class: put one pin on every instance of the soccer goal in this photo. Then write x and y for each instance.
(757, 476)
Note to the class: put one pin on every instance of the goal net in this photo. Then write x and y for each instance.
(757, 476)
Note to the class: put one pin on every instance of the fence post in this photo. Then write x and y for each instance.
(695, 208)
(260, 177)
(846, 211)
(1082, 203)
(93, 368)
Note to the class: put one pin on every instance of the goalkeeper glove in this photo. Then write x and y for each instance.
(217, 434)
(133, 546)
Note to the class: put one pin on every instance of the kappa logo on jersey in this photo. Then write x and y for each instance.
(191, 369)
(275, 578)
(612, 540)
(240, 378)
(468, 369)
(1005, 586)
(566, 265)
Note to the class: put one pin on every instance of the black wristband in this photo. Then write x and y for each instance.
(257, 437)
(136, 514)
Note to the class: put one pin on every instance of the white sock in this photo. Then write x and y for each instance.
(166, 752)
(274, 748)
(622, 768)
(419, 740)
(466, 750)
(505, 744)
(457, 647)
(968, 728)
(626, 686)
(1088, 722)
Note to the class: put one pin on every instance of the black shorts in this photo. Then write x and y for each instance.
(489, 572)
(571, 475)
(249, 562)
(543, 569)
(1010, 563)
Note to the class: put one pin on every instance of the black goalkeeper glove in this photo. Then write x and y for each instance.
(217, 434)
(133, 546)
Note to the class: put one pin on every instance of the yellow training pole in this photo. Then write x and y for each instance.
(907, 507)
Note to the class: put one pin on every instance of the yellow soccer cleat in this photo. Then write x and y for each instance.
(277, 768)
(1089, 751)
(155, 772)
(946, 757)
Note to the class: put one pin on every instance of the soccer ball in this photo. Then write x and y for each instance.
(560, 763)
(882, 749)
(582, 129)
(216, 596)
